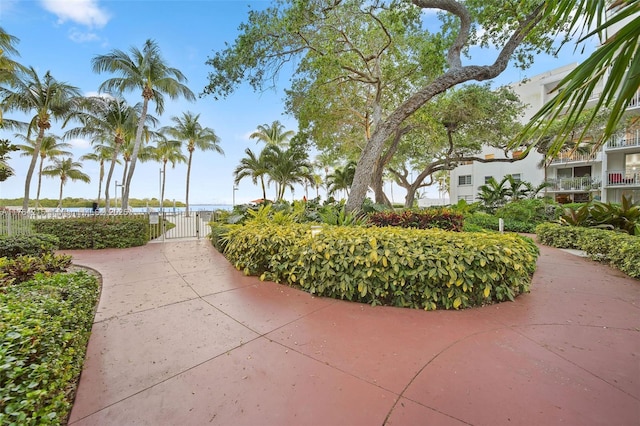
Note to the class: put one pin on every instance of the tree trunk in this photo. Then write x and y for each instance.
(32, 166)
(39, 181)
(164, 177)
(136, 150)
(188, 177)
(114, 159)
(60, 199)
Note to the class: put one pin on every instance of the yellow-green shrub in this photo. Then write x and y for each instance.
(427, 269)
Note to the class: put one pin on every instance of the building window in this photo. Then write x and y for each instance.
(464, 180)
(489, 156)
(487, 179)
(517, 154)
(516, 177)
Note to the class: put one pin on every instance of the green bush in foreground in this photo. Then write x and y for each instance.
(427, 269)
(97, 232)
(44, 327)
(27, 245)
(619, 249)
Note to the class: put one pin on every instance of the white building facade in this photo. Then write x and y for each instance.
(607, 175)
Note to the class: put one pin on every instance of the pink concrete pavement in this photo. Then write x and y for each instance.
(182, 338)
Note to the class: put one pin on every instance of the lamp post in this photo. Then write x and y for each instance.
(116, 186)
(160, 189)
(235, 188)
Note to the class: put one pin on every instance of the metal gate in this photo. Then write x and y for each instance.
(172, 225)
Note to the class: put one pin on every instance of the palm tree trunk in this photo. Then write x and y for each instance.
(100, 181)
(264, 190)
(124, 176)
(186, 211)
(134, 154)
(32, 166)
(60, 199)
(114, 158)
(39, 182)
(164, 176)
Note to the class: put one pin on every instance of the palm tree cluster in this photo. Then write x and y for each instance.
(119, 132)
(283, 161)
(494, 194)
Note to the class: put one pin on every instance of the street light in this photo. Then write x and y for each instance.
(160, 189)
(235, 188)
(116, 192)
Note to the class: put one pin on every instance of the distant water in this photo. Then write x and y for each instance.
(168, 209)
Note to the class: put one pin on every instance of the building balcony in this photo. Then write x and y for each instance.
(620, 178)
(579, 184)
(635, 101)
(566, 157)
(629, 139)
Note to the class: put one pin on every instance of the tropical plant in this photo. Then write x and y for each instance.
(341, 178)
(189, 130)
(168, 151)
(617, 59)
(274, 134)
(49, 148)
(45, 98)
(113, 120)
(66, 169)
(253, 166)
(147, 71)
(8, 66)
(5, 148)
(493, 194)
(287, 167)
(146, 154)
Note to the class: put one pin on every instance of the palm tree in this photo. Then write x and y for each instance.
(48, 99)
(341, 178)
(100, 154)
(188, 129)
(146, 153)
(66, 169)
(617, 59)
(109, 119)
(493, 194)
(49, 148)
(287, 167)
(253, 166)
(147, 71)
(168, 151)
(8, 66)
(273, 134)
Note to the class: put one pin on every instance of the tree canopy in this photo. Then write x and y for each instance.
(362, 68)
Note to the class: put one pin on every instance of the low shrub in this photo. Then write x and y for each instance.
(27, 245)
(97, 232)
(427, 269)
(44, 327)
(491, 222)
(24, 268)
(530, 210)
(217, 235)
(619, 249)
(439, 218)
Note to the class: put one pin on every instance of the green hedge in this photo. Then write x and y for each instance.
(427, 269)
(44, 330)
(28, 245)
(97, 232)
(487, 221)
(620, 250)
(440, 218)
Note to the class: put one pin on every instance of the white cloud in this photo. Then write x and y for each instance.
(85, 12)
(81, 36)
(80, 143)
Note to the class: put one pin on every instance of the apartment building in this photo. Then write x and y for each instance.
(606, 175)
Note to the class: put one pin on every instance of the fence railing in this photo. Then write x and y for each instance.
(585, 183)
(622, 178)
(565, 157)
(625, 140)
(14, 223)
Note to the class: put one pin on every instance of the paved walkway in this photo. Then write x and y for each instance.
(181, 338)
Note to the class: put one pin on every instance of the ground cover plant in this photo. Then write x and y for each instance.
(428, 269)
(45, 322)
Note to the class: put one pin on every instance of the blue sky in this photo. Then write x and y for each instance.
(62, 36)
